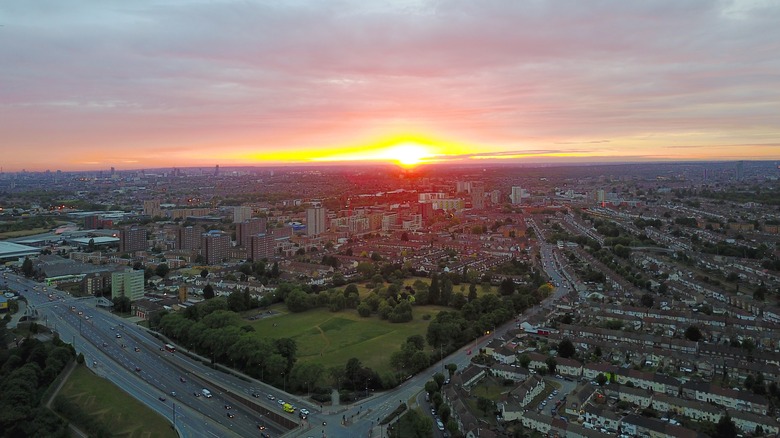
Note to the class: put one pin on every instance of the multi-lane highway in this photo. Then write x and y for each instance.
(129, 356)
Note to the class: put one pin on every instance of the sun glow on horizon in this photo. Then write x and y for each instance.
(405, 153)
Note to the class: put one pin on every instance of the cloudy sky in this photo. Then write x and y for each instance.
(141, 84)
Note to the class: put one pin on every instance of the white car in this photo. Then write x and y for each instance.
(304, 411)
(280, 401)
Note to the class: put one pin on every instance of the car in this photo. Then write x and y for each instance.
(105, 345)
(113, 328)
(280, 401)
(162, 398)
(231, 415)
(544, 403)
(270, 397)
(173, 393)
(440, 425)
(196, 394)
(433, 411)
(182, 379)
(138, 369)
(555, 392)
(447, 381)
(302, 415)
(94, 363)
(137, 349)
(304, 411)
(256, 394)
(118, 336)
(261, 427)
(228, 407)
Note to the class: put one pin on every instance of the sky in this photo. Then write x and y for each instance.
(88, 85)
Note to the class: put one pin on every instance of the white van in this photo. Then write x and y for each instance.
(206, 393)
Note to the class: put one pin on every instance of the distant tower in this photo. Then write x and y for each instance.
(740, 170)
(241, 214)
(216, 170)
(315, 221)
(517, 195)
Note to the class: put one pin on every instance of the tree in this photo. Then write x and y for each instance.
(692, 333)
(647, 300)
(433, 290)
(350, 289)
(485, 405)
(162, 270)
(204, 273)
(601, 379)
(760, 292)
(297, 301)
(364, 310)
(27, 267)
(566, 348)
(208, 292)
(431, 387)
(507, 287)
(121, 304)
(552, 364)
(472, 292)
(524, 360)
(725, 427)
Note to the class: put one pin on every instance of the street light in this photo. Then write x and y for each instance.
(284, 382)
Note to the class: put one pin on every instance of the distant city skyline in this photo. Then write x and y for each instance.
(92, 85)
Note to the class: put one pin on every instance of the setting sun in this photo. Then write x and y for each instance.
(406, 154)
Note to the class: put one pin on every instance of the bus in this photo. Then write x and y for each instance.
(169, 347)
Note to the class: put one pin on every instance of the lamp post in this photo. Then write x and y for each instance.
(284, 382)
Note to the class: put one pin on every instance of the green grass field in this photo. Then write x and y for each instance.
(23, 233)
(333, 338)
(121, 413)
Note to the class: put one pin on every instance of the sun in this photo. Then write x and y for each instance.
(407, 154)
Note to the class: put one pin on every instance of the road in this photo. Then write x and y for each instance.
(131, 358)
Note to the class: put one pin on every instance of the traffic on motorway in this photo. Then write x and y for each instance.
(168, 382)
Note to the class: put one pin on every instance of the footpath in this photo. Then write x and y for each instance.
(64, 378)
